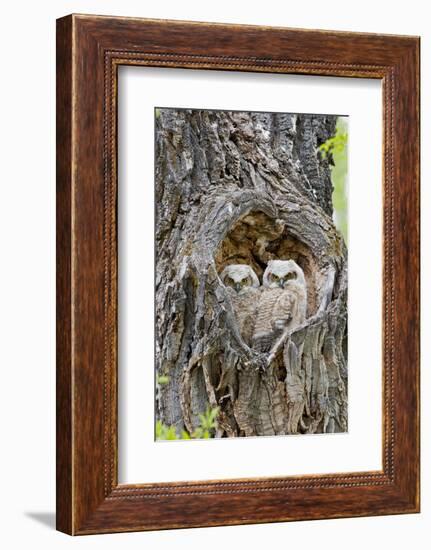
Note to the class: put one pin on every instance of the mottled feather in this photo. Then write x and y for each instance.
(282, 305)
(242, 285)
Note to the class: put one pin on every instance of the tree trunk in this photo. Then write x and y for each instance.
(243, 187)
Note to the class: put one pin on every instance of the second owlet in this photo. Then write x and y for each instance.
(242, 284)
(282, 305)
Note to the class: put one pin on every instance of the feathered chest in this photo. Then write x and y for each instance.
(279, 308)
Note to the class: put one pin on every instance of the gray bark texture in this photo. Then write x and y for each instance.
(245, 187)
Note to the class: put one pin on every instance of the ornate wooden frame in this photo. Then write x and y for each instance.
(89, 51)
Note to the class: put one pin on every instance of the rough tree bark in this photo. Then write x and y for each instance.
(243, 187)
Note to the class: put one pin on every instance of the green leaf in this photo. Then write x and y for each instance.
(214, 413)
(160, 379)
(164, 432)
(159, 429)
(205, 429)
(337, 146)
(171, 434)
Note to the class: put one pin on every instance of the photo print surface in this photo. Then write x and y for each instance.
(251, 274)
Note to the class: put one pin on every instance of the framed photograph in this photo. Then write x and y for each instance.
(237, 274)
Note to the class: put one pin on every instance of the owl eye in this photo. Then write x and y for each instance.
(291, 275)
(274, 277)
(229, 281)
(246, 281)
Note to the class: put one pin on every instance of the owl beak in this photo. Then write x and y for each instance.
(237, 287)
(281, 283)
